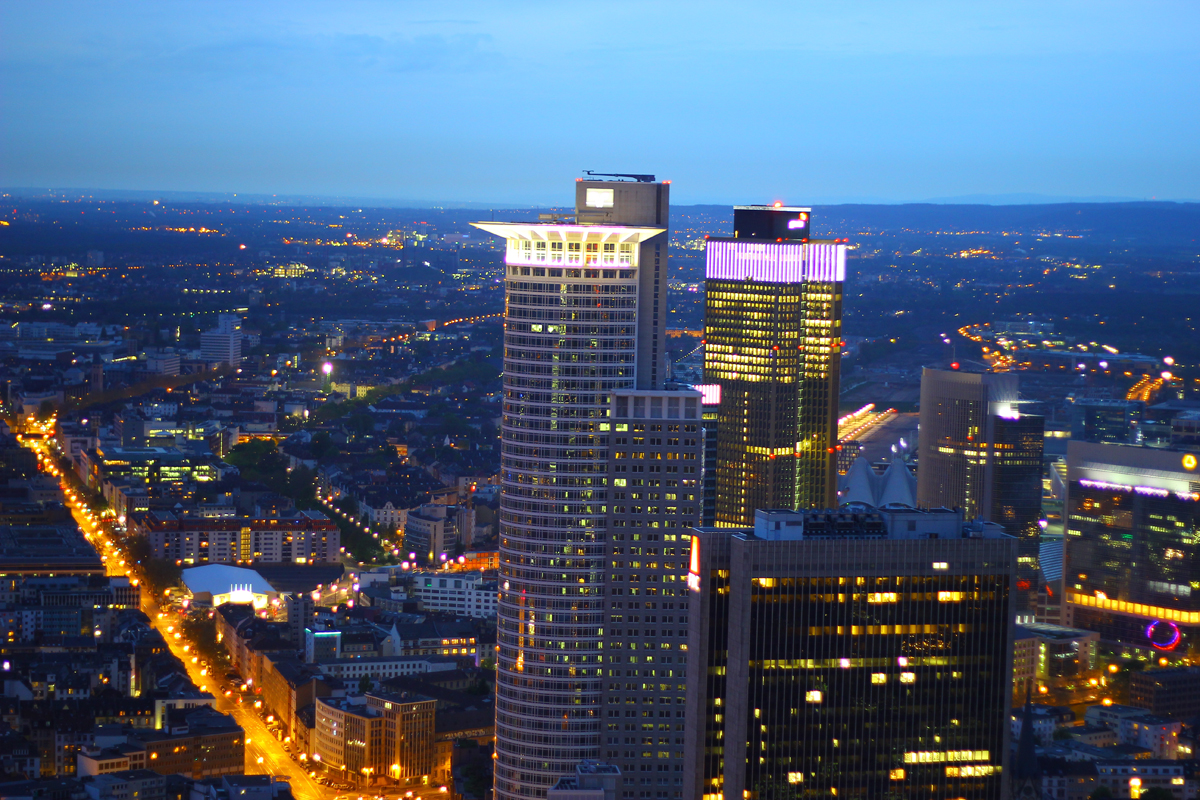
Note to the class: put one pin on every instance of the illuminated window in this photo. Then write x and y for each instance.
(941, 565)
(878, 677)
(813, 696)
(599, 198)
(949, 597)
(797, 777)
(908, 677)
(896, 774)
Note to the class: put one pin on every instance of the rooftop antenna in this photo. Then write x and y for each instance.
(638, 178)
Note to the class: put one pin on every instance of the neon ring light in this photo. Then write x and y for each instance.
(1168, 645)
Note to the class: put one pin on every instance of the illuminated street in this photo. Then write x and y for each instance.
(264, 753)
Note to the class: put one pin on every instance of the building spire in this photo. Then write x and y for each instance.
(1026, 774)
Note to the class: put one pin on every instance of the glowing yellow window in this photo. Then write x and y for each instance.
(795, 777)
(949, 597)
(813, 696)
(908, 677)
(896, 774)
(878, 677)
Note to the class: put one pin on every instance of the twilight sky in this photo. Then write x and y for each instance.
(507, 100)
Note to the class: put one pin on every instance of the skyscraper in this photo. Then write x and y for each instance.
(1132, 539)
(772, 332)
(980, 454)
(857, 653)
(584, 301)
(656, 450)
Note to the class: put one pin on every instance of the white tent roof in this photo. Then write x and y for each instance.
(221, 578)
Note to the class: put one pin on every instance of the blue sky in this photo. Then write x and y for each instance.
(507, 101)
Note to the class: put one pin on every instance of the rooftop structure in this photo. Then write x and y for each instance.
(47, 549)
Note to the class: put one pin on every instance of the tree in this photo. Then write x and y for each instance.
(364, 684)
(45, 410)
(1102, 793)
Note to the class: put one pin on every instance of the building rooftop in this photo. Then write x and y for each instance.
(1047, 631)
(221, 578)
(60, 547)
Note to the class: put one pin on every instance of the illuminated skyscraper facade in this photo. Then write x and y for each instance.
(583, 307)
(859, 653)
(1132, 517)
(980, 454)
(772, 340)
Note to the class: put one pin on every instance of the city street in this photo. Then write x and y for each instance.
(264, 753)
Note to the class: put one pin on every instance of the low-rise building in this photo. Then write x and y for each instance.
(199, 743)
(1054, 661)
(1045, 719)
(1134, 727)
(349, 739)
(383, 667)
(303, 537)
(467, 594)
(1173, 692)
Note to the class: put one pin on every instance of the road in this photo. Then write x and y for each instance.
(264, 753)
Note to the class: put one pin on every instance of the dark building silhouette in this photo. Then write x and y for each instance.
(980, 454)
(860, 652)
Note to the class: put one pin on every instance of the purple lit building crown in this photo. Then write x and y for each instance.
(775, 262)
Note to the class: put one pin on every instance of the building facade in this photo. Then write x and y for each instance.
(979, 453)
(853, 653)
(772, 338)
(408, 735)
(307, 537)
(656, 499)
(223, 344)
(435, 530)
(466, 594)
(584, 310)
(349, 740)
(1132, 522)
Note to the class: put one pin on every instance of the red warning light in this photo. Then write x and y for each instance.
(954, 365)
(779, 204)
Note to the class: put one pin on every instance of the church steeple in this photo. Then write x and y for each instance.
(1027, 776)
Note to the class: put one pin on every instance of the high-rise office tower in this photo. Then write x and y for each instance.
(654, 459)
(1132, 518)
(583, 312)
(772, 333)
(856, 653)
(980, 454)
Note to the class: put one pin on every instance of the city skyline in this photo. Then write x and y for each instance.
(623, 401)
(387, 101)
